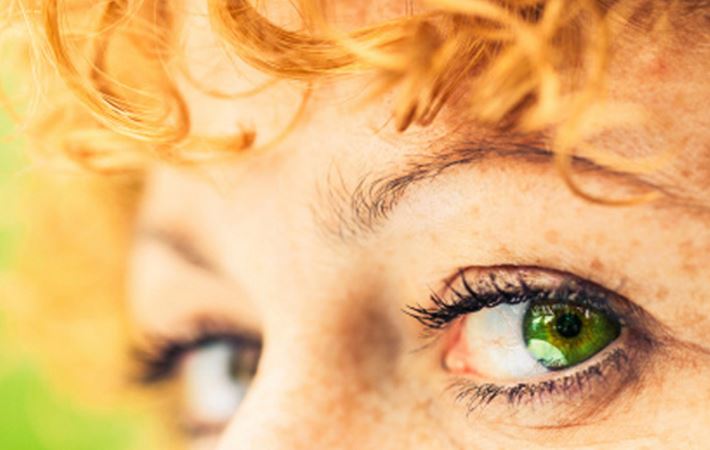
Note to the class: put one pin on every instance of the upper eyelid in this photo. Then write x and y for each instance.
(439, 298)
(443, 309)
(188, 284)
(159, 355)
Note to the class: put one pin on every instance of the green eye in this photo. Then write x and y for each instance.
(561, 335)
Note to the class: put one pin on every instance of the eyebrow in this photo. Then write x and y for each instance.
(181, 245)
(359, 211)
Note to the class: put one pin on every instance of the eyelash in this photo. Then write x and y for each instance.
(476, 296)
(473, 300)
(159, 359)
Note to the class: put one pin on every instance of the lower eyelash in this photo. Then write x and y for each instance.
(479, 395)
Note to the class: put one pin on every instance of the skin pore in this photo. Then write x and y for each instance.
(317, 245)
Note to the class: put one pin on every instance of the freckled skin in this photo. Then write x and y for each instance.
(597, 265)
(343, 367)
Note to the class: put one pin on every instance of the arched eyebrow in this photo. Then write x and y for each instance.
(180, 244)
(355, 212)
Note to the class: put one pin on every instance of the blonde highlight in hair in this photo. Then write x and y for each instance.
(532, 66)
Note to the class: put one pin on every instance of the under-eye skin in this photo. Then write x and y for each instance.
(214, 366)
(530, 336)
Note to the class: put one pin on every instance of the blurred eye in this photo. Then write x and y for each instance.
(510, 342)
(215, 379)
(213, 370)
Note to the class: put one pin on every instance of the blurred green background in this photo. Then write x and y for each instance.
(33, 414)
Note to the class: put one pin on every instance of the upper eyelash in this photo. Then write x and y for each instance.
(159, 360)
(473, 300)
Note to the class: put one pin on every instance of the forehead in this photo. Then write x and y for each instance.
(662, 77)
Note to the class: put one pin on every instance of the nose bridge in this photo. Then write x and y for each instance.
(320, 385)
(301, 404)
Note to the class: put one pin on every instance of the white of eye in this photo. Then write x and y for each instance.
(492, 341)
(212, 393)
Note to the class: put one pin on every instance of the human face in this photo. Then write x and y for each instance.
(317, 256)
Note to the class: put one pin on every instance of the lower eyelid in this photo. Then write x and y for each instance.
(574, 396)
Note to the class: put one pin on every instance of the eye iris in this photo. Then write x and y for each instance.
(560, 335)
(243, 362)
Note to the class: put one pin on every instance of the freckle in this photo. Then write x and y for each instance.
(504, 250)
(686, 246)
(662, 293)
(690, 269)
(552, 236)
(598, 238)
(660, 68)
(597, 265)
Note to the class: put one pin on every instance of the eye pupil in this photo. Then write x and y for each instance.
(568, 325)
